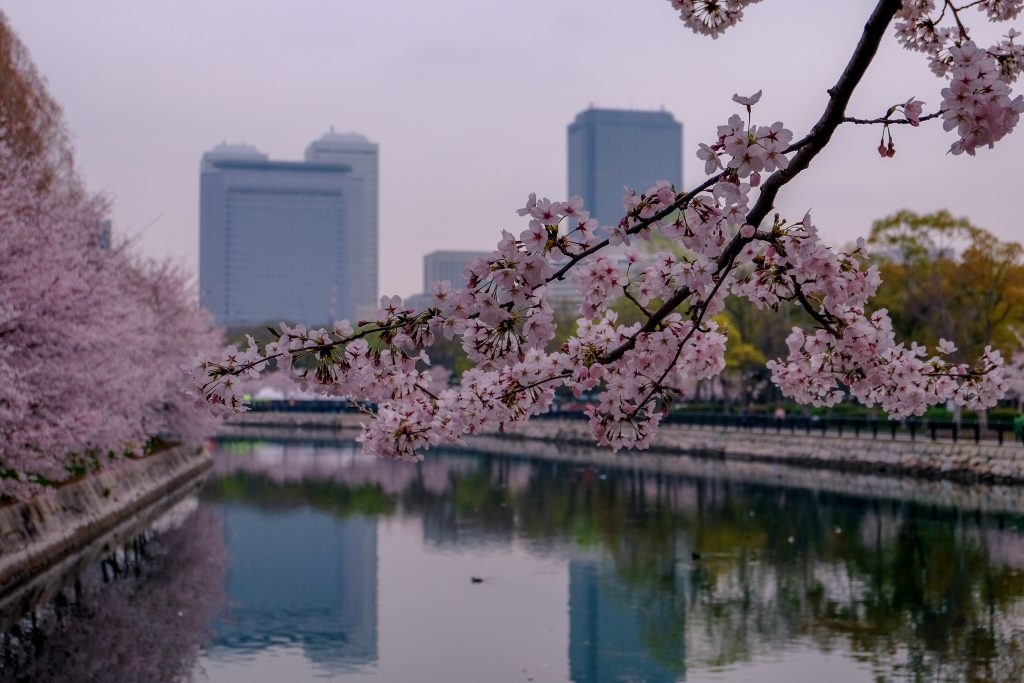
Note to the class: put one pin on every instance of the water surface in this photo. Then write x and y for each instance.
(305, 562)
(484, 568)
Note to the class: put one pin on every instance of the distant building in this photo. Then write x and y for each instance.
(609, 148)
(563, 295)
(289, 240)
(361, 155)
(448, 265)
(105, 234)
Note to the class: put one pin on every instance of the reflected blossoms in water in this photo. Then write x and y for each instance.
(141, 616)
(674, 575)
(308, 561)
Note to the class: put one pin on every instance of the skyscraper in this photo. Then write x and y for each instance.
(448, 265)
(609, 148)
(289, 240)
(361, 156)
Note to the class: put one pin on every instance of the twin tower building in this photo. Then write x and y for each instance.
(289, 240)
(298, 240)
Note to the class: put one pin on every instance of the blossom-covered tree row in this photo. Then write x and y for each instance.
(729, 241)
(91, 337)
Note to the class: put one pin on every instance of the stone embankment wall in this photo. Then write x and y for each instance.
(964, 462)
(961, 462)
(993, 498)
(292, 426)
(38, 534)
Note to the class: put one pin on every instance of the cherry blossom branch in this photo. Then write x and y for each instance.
(822, 320)
(219, 370)
(510, 393)
(703, 309)
(956, 17)
(426, 391)
(505, 320)
(629, 296)
(839, 97)
(658, 385)
(681, 202)
(820, 135)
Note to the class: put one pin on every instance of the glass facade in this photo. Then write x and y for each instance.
(294, 241)
(610, 148)
(448, 265)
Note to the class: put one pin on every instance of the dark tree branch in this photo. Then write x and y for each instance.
(679, 203)
(821, 319)
(808, 148)
(625, 291)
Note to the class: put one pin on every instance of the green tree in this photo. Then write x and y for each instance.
(943, 277)
(745, 375)
(31, 121)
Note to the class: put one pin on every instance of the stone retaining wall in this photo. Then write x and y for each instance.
(962, 462)
(45, 531)
(991, 498)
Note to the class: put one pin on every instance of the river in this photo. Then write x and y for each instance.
(312, 562)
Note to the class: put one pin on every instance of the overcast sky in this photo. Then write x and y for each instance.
(469, 101)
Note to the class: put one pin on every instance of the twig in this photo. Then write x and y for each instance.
(814, 313)
(883, 119)
(645, 223)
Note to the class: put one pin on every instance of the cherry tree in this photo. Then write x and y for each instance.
(91, 337)
(164, 291)
(80, 327)
(732, 244)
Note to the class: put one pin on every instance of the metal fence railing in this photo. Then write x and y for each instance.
(301, 406)
(1001, 432)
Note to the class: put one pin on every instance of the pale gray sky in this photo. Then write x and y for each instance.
(469, 100)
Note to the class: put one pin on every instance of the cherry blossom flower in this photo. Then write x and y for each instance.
(724, 243)
(912, 110)
(747, 101)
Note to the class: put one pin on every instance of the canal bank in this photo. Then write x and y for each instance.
(938, 460)
(46, 540)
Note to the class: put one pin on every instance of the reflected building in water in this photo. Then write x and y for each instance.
(611, 628)
(316, 590)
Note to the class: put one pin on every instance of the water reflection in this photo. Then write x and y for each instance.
(304, 562)
(665, 578)
(300, 578)
(617, 633)
(140, 616)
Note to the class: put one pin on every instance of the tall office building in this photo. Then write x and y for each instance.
(361, 156)
(448, 265)
(289, 240)
(609, 148)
